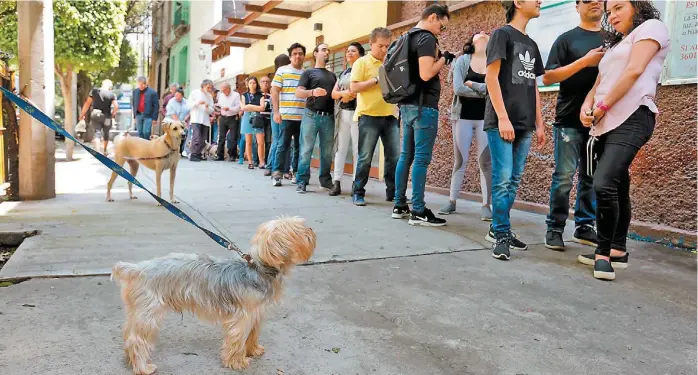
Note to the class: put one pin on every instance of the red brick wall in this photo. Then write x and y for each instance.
(663, 175)
(411, 9)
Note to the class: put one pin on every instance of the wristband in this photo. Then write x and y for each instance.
(600, 105)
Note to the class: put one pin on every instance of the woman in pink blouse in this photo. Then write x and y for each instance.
(621, 112)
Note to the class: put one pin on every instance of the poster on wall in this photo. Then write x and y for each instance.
(680, 65)
(556, 18)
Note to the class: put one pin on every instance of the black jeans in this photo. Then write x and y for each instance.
(287, 129)
(228, 124)
(617, 150)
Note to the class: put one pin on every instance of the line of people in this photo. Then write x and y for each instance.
(607, 67)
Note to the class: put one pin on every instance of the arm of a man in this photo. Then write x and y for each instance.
(360, 81)
(429, 64)
(85, 107)
(496, 52)
(557, 69)
(115, 107)
(303, 82)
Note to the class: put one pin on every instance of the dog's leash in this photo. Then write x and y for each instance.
(36, 113)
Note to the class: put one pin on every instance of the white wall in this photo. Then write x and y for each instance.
(203, 15)
(232, 63)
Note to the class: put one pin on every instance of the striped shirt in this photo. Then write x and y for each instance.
(290, 107)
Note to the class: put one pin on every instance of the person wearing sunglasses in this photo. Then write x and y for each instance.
(573, 63)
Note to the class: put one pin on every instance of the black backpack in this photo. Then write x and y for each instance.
(394, 74)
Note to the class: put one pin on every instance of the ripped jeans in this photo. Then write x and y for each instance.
(570, 156)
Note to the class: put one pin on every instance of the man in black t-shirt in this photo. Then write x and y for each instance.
(573, 63)
(316, 85)
(420, 116)
(512, 114)
(104, 109)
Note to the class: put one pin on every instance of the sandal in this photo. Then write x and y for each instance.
(250, 166)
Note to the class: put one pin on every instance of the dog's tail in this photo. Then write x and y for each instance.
(123, 271)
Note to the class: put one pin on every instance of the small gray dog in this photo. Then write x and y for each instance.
(228, 291)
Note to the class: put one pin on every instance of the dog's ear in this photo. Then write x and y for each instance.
(166, 123)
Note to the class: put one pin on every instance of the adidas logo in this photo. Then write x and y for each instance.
(528, 64)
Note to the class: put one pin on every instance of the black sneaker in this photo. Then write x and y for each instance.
(329, 186)
(585, 235)
(300, 189)
(501, 248)
(401, 212)
(603, 270)
(616, 262)
(277, 181)
(553, 241)
(426, 218)
(514, 243)
(336, 189)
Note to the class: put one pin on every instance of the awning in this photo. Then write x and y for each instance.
(251, 21)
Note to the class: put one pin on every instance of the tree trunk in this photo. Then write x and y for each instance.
(65, 76)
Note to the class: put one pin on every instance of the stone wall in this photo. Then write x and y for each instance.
(663, 175)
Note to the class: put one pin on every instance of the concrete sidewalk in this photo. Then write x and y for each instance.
(412, 301)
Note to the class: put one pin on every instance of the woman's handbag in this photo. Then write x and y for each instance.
(258, 121)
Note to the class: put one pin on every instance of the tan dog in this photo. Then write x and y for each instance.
(157, 154)
(228, 291)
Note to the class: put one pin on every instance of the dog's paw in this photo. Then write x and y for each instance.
(256, 351)
(148, 370)
(237, 364)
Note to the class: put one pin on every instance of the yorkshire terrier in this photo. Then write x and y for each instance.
(233, 292)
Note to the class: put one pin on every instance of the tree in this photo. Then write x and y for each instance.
(87, 36)
(125, 71)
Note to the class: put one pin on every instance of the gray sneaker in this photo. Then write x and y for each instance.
(448, 208)
(485, 213)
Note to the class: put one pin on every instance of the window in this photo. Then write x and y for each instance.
(336, 64)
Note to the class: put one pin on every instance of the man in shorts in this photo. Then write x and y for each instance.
(104, 109)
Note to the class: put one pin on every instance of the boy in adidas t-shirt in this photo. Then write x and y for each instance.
(512, 113)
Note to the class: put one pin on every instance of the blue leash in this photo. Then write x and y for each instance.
(44, 119)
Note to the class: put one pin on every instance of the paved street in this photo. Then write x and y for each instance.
(379, 296)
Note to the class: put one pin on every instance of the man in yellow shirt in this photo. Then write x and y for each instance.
(376, 118)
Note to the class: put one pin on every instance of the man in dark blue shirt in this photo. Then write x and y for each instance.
(573, 63)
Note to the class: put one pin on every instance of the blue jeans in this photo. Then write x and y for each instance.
(287, 129)
(570, 153)
(274, 144)
(144, 126)
(312, 127)
(370, 129)
(508, 162)
(418, 137)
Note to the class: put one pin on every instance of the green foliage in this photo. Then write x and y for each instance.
(87, 33)
(128, 64)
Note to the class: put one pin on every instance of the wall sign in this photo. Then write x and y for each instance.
(680, 65)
